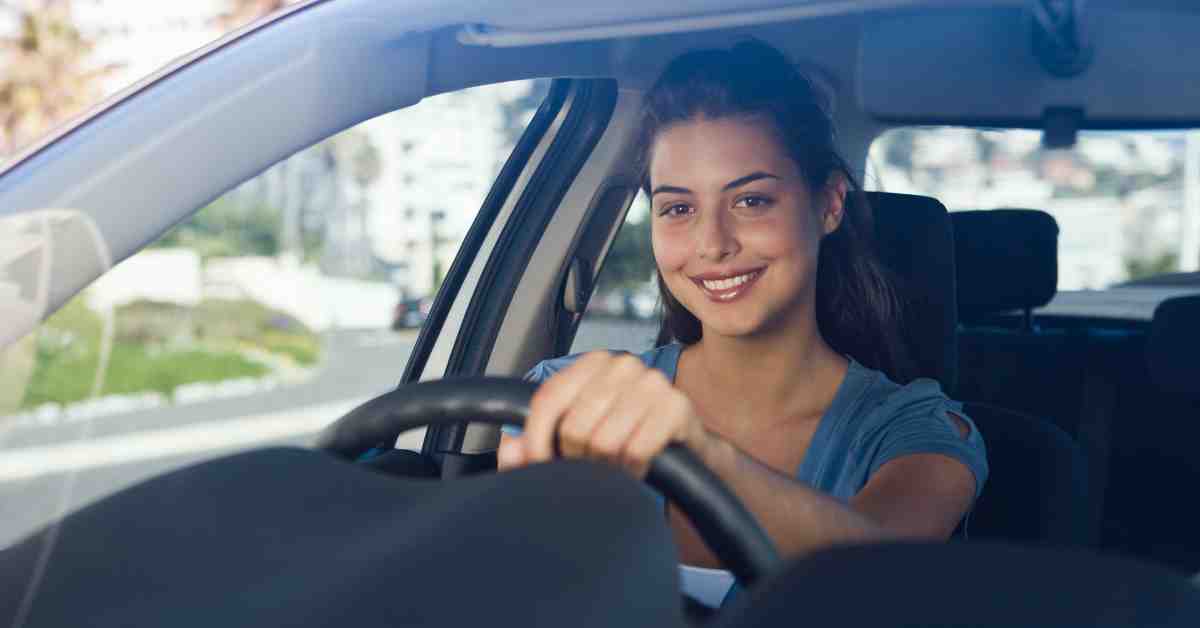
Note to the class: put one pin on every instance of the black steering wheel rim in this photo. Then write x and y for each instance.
(724, 523)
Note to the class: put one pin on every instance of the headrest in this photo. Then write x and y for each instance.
(914, 242)
(1007, 260)
(1173, 345)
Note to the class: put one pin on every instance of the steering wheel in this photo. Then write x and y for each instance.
(723, 522)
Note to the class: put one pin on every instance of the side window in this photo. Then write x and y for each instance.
(270, 313)
(624, 310)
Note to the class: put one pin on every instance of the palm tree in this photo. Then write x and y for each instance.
(240, 12)
(45, 77)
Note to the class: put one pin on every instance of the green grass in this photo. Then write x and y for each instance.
(304, 349)
(135, 369)
(68, 352)
(158, 347)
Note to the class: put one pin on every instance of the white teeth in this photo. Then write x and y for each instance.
(725, 284)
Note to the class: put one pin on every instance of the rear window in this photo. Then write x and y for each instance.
(1127, 203)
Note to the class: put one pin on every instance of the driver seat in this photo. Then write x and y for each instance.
(1036, 491)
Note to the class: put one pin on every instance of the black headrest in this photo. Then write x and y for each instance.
(1007, 260)
(915, 243)
(1174, 345)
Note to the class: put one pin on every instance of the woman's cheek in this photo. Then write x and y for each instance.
(779, 239)
(671, 250)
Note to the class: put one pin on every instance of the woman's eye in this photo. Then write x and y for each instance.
(753, 202)
(678, 209)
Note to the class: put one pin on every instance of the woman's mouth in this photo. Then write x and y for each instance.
(728, 288)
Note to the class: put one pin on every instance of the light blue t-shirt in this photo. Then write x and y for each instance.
(871, 421)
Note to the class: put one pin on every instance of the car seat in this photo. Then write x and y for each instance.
(1155, 467)
(1036, 491)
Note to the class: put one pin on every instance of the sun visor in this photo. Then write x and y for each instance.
(976, 67)
(44, 255)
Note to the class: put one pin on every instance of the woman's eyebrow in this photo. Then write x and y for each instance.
(670, 189)
(753, 176)
(738, 182)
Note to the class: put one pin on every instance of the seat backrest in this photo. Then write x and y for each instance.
(1037, 483)
(915, 243)
(1173, 348)
(1154, 441)
(1022, 383)
(1007, 260)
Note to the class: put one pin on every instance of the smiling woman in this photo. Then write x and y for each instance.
(779, 359)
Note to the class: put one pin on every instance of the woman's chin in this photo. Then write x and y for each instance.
(731, 327)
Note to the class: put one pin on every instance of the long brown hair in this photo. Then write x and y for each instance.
(857, 309)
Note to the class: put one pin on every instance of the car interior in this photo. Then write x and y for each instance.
(1089, 422)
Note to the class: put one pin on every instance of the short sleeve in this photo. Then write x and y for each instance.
(663, 358)
(539, 373)
(916, 420)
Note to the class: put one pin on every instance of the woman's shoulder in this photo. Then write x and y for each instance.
(873, 394)
(889, 420)
(663, 358)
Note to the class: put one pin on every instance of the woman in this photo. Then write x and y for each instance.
(779, 352)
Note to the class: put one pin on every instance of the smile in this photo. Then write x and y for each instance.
(725, 289)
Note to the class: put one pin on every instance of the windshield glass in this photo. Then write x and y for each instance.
(1127, 203)
(267, 315)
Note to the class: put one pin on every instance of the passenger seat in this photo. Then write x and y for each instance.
(1006, 261)
(1152, 511)
(1035, 490)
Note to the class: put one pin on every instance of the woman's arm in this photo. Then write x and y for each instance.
(920, 496)
(614, 409)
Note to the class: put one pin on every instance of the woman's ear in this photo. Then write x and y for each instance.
(835, 202)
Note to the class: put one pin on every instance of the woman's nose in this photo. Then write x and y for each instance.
(715, 239)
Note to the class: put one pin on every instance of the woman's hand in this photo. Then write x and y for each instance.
(606, 407)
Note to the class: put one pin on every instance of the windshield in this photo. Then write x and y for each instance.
(1127, 203)
(267, 315)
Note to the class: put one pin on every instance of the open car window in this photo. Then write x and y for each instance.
(265, 316)
(623, 311)
(1127, 203)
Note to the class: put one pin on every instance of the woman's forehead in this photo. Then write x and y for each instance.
(707, 151)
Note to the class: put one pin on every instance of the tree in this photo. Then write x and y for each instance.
(45, 74)
(238, 13)
(352, 158)
(630, 260)
(1151, 265)
(225, 229)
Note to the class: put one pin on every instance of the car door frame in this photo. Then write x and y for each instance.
(479, 287)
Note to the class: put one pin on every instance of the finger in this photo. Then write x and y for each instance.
(511, 453)
(550, 403)
(607, 394)
(654, 434)
(610, 438)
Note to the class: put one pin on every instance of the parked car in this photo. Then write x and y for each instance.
(410, 313)
(289, 535)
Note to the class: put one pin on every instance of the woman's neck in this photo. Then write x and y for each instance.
(786, 373)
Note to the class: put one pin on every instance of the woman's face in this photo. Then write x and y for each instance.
(735, 228)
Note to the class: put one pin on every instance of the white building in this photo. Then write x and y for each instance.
(439, 159)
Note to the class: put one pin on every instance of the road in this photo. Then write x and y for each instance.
(48, 469)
